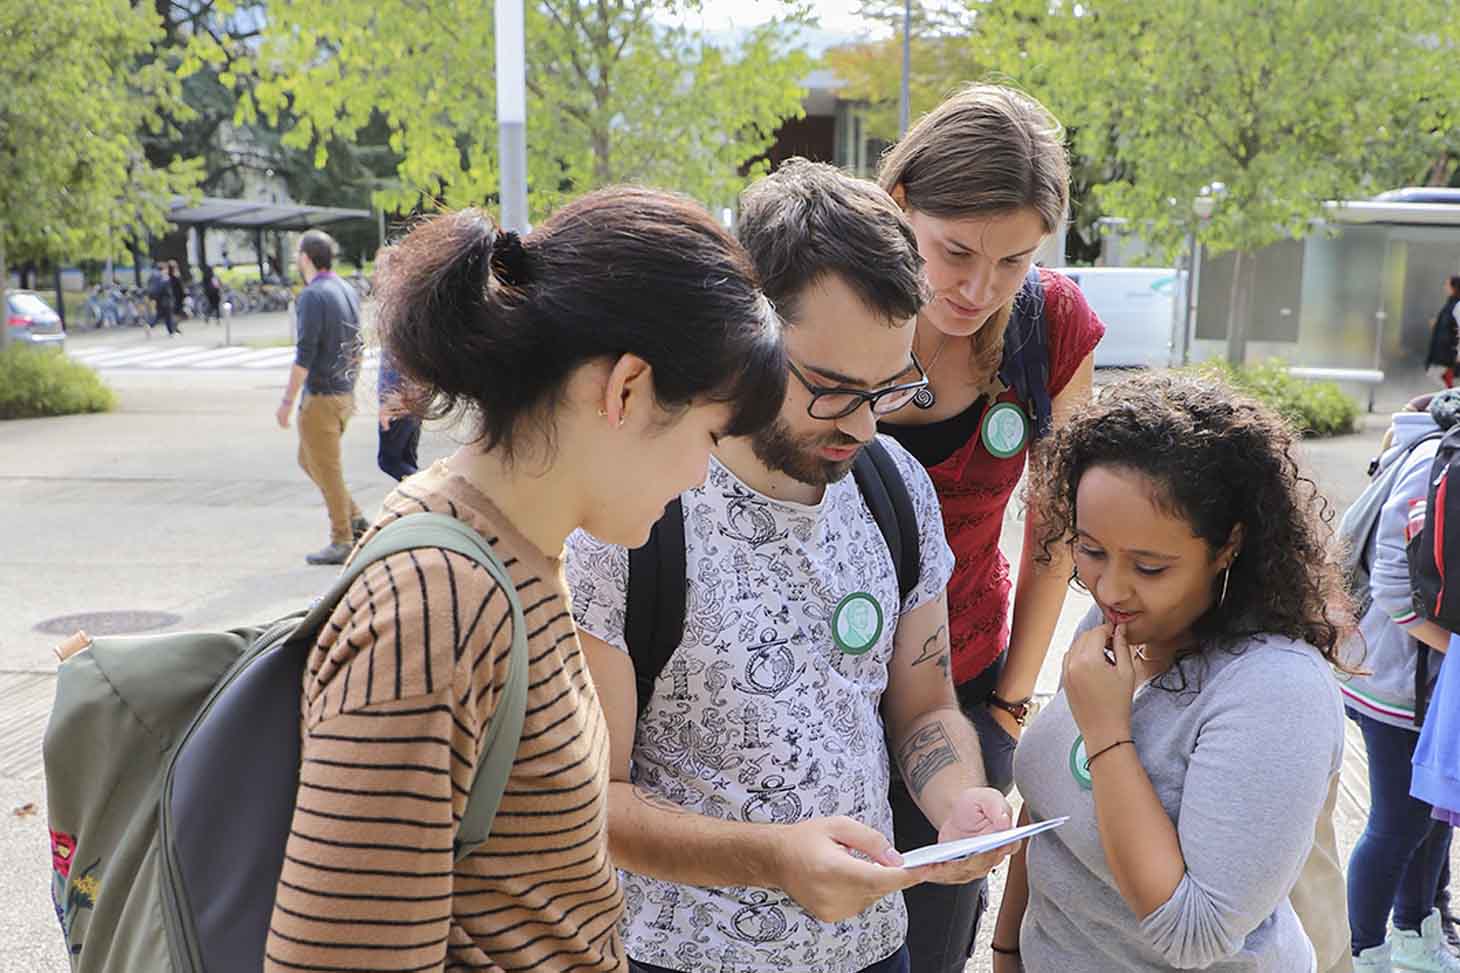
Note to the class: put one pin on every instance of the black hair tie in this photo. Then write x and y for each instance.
(509, 258)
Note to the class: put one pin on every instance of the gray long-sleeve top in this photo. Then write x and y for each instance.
(1241, 761)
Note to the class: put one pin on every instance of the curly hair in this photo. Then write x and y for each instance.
(1217, 458)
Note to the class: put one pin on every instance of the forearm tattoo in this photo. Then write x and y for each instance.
(925, 754)
(935, 649)
(658, 803)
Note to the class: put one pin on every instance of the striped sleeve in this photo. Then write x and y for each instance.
(400, 687)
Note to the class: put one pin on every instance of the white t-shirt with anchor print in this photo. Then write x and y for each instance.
(769, 709)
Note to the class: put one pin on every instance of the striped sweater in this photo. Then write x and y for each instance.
(397, 695)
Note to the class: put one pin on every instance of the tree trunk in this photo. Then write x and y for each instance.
(602, 165)
(1239, 307)
(4, 287)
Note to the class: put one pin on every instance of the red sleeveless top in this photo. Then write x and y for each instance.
(974, 487)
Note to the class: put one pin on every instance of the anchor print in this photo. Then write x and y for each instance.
(749, 519)
(774, 801)
(760, 921)
(771, 667)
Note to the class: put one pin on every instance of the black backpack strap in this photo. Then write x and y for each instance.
(1025, 365)
(887, 498)
(654, 609)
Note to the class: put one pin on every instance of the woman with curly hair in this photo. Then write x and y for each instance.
(1198, 726)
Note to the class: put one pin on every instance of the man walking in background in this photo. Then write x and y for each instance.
(326, 364)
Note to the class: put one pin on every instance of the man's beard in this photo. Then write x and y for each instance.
(780, 450)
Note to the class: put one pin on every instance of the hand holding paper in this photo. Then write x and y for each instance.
(947, 851)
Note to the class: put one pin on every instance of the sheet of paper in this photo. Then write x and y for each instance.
(948, 851)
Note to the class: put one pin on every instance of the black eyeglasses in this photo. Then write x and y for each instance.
(837, 403)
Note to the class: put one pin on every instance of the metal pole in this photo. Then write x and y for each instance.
(1174, 347)
(904, 108)
(1194, 299)
(512, 113)
(380, 229)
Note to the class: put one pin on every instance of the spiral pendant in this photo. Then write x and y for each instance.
(924, 398)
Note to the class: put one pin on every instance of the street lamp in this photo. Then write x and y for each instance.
(904, 106)
(1204, 205)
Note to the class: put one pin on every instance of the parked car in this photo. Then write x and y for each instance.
(1139, 308)
(30, 320)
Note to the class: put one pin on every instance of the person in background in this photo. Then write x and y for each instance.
(326, 364)
(159, 289)
(1198, 729)
(212, 293)
(1009, 350)
(179, 293)
(1400, 864)
(400, 431)
(1445, 336)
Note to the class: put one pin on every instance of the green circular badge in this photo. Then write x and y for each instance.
(1005, 430)
(1080, 764)
(856, 624)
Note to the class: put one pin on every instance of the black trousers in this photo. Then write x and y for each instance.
(398, 444)
(942, 920)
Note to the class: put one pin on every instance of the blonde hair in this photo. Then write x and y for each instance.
(987, 150)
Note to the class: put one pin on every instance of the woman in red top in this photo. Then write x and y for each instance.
(1008, 348)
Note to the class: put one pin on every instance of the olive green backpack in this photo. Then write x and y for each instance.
(172, 763)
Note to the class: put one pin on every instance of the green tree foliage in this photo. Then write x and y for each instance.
(613, 95)
(1289, 103)
(76, 92)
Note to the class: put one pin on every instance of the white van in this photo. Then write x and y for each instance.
(1139, 307)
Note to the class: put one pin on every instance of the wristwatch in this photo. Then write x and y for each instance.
(1019, 708)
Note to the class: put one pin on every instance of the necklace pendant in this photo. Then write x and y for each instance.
(924, 398)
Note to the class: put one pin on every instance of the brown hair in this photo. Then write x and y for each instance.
(320, 248)
(491, 324)
(987, 150)
(808, 219)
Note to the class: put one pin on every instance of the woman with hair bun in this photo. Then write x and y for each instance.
(597, 360)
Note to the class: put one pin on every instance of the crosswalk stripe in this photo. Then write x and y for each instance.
(106, 358)
(177, 357)
(225, 358)
(271, 358)
(199, 357)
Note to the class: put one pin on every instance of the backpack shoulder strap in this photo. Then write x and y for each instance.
(1025, 365)
(655, 606)
(1362, 516)
(505, 730)
(887, 498)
